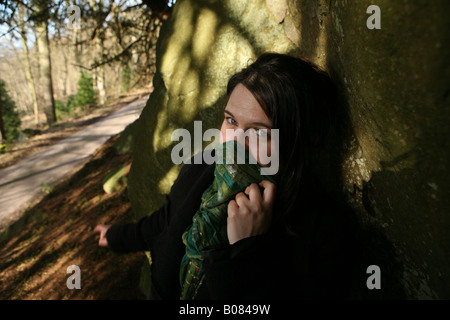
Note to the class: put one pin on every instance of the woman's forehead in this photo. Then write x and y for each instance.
(243, 105)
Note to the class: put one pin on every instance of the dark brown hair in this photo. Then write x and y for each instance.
(299, 98)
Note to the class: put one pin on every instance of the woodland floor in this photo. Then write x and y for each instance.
(57, 232)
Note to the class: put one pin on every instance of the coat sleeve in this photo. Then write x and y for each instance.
(132, 237)
(139, 236)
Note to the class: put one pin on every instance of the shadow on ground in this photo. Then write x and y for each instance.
(57, 232)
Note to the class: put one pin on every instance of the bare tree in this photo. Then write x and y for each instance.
(28, 73)
(2, 127)
(115, 42)
(42, 18)
(98, 36)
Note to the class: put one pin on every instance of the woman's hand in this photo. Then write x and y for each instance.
(101, 228)
(250, 214)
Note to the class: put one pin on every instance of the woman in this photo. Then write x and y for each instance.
(257, 236)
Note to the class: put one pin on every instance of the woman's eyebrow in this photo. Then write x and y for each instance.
(226, 111)
(261, 124)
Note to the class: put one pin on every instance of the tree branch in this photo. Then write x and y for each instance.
(109, 60)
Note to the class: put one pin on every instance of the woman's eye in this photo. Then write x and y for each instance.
(232, 121)
(261, 132)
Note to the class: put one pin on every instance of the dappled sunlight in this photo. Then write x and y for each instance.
(176, 44)
(200, 47)
(57, 233)
(204, 35)
(320, 54)
(166, 183)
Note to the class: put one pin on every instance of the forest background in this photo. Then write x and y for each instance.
(59, 59)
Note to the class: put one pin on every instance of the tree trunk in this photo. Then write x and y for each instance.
(38, 73)
(2, 127)
(76, 50)
(65, 68)
(28, 73)
(45, 63)
(99, 72)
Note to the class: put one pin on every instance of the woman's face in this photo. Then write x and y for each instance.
(244, 112)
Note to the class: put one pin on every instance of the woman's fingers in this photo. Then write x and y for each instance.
(103, 242)
(269, 192)
(232, 207)
(253, 192)
(98, 228)
(241, 199)
(252, 196)
(250, 213)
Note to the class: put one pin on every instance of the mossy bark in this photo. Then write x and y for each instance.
(390, 157)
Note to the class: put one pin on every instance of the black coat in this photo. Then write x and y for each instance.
(315, 263)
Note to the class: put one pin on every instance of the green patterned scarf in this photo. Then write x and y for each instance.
(235, 170)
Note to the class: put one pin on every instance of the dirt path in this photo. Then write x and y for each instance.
(22, 183)
(57, 232)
